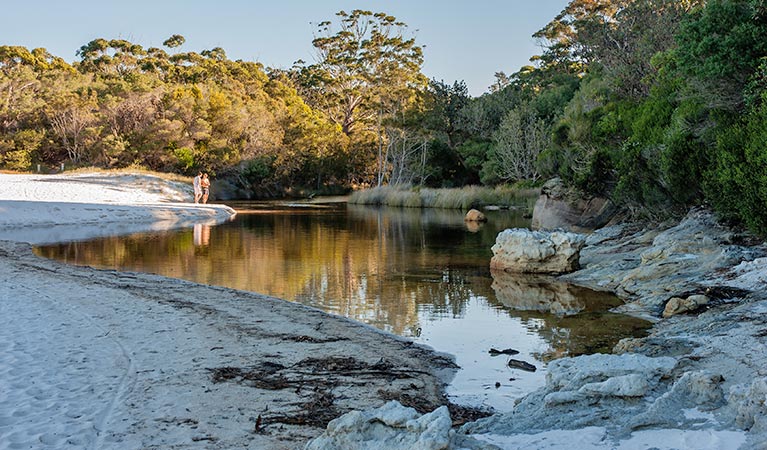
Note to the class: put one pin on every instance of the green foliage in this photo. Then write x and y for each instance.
(736, 183)
(721, 46)
(185, 158)
(476, 156)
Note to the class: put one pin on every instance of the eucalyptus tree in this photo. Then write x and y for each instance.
(364, 67)
(24, 76)
(116, 57)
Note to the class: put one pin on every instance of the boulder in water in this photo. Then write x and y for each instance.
(524, 251)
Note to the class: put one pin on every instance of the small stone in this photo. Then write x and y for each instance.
(475, 216)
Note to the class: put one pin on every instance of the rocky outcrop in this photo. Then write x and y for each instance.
(581, 392)
(524, 251)
(695, 373)
(557, 207)
(393, 427)
(648, 267)
(619, 392)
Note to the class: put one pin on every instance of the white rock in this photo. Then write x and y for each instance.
(391, 426)
(522, 250)
(750, 405)
(632, 385)
(573, 373)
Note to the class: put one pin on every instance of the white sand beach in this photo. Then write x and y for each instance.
(102, 359)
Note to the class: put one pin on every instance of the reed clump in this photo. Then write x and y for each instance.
(464, 198)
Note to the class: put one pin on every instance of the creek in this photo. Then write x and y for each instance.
(421, 274)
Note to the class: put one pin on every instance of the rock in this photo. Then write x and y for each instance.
(559, 208)
(521, 365)
(650, 266)
(677, 305)
(506, 351)
(526, 292)
(524, 251)
(592, 390)
(393, 427)
(632, 385)
(574, 373)
(749, 402)
(475, 216)
(692, 390)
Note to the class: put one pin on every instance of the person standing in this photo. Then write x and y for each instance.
(205, 185)
(197, 187)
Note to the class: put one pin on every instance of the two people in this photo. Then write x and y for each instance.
(201, 186)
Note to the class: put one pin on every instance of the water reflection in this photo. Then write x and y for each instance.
(417, 273)
(201, 235)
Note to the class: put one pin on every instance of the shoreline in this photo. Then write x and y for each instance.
(129, 360)
(106, 359)
(697, 381)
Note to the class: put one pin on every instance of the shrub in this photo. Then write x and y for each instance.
(736, 184)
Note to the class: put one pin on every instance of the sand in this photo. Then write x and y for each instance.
(103, 359)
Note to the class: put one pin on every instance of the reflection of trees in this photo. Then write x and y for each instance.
(587, 333)
(376, 267)
(385, 267)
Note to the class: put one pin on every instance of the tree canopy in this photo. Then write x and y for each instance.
(656, 104)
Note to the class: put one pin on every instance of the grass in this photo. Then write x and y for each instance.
(451, 198)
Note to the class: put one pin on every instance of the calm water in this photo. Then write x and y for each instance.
(417, 273)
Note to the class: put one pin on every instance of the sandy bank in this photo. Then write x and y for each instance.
(103, 359)
(51, 208)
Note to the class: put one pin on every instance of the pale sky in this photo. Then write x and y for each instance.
(465, 40)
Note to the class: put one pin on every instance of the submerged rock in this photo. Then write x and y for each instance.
(475, 216)
(521, 365)
(506, 351)
(525, 251)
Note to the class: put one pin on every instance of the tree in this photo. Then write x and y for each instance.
(564, 48)
(444, 106)
(364, 68)
(720, 48)
(174, 41)
(624, 44)
(519, 141)
(70, 119)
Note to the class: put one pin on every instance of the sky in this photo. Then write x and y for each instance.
(465, 40)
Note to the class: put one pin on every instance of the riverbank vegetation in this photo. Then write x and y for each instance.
(450, 198)
(656, 104)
